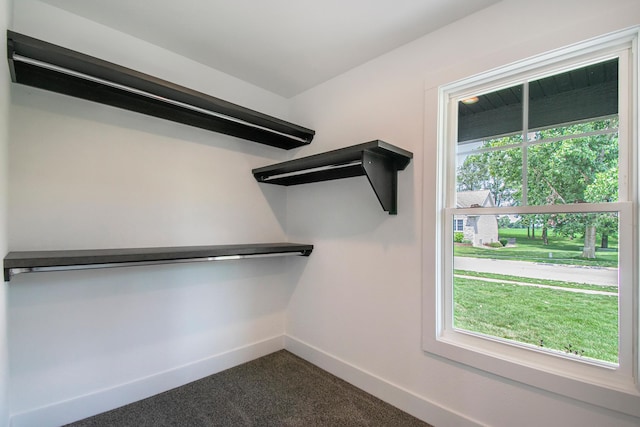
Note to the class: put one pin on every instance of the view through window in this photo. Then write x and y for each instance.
(532, 271)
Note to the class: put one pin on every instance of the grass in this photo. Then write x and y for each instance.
(563, 250)
(547, 282)
(556, 319)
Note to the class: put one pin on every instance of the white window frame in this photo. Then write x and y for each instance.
(605, 385)
(457, 221)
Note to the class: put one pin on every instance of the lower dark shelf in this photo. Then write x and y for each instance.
(36, 261)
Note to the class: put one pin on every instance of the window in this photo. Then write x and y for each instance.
(541, 160)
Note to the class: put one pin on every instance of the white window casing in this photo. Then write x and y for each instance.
(607, 385)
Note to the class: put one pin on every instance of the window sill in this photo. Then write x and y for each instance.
(595, 383)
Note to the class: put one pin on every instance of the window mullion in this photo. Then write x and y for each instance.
(525, 141)
(625, 157)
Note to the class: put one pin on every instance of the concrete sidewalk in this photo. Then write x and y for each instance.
(567, 273)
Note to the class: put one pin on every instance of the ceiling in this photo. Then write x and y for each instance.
(284, 46)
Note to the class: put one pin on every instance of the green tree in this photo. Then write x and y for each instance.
(504, 222)
(497, 171)
(560, 172)
(605, 189)
(561, 169)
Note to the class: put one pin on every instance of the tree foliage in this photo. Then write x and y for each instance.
(567, 164)
(560, 172)
(499, 171)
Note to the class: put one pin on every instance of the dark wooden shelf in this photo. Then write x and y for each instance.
(35, 261)
(378, 160)
(44, 65)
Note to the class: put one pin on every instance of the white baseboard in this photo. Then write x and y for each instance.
(81, 407)
(424, 409)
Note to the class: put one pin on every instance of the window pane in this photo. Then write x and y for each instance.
(575, 170)
(492, 177)
(490, 115)
(584, 93)
(604, 126)
(540, 288)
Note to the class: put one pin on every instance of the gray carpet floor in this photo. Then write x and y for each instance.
(279, 389)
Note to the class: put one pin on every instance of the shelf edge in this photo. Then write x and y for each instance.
(65, 260)
(37, 63)
(378, 160)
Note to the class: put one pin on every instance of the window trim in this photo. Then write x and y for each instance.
(598, 384)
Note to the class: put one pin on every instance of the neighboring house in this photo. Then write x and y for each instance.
(477, 229)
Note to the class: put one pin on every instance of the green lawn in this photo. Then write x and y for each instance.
(563, 250)
(546, 282)
(556, 319)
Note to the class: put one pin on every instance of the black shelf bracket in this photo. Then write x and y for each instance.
(36, 63)
(377, 160)
(63, 260)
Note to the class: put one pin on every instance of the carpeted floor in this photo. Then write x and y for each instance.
(279, 389)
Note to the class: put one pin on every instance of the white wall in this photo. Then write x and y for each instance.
(4, 138)
(84, 175)
(357, 306)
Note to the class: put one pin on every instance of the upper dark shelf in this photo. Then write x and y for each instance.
(47, 66)
(33, 261)
(378, 160)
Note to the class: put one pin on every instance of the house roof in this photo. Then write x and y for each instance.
(467, 199)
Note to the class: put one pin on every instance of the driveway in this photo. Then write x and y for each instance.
(567, 273)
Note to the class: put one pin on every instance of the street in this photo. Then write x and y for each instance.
(568, 273)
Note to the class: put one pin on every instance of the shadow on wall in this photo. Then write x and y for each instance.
(348, 209)
(94, 112)
(112, 326)
(80, 183)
